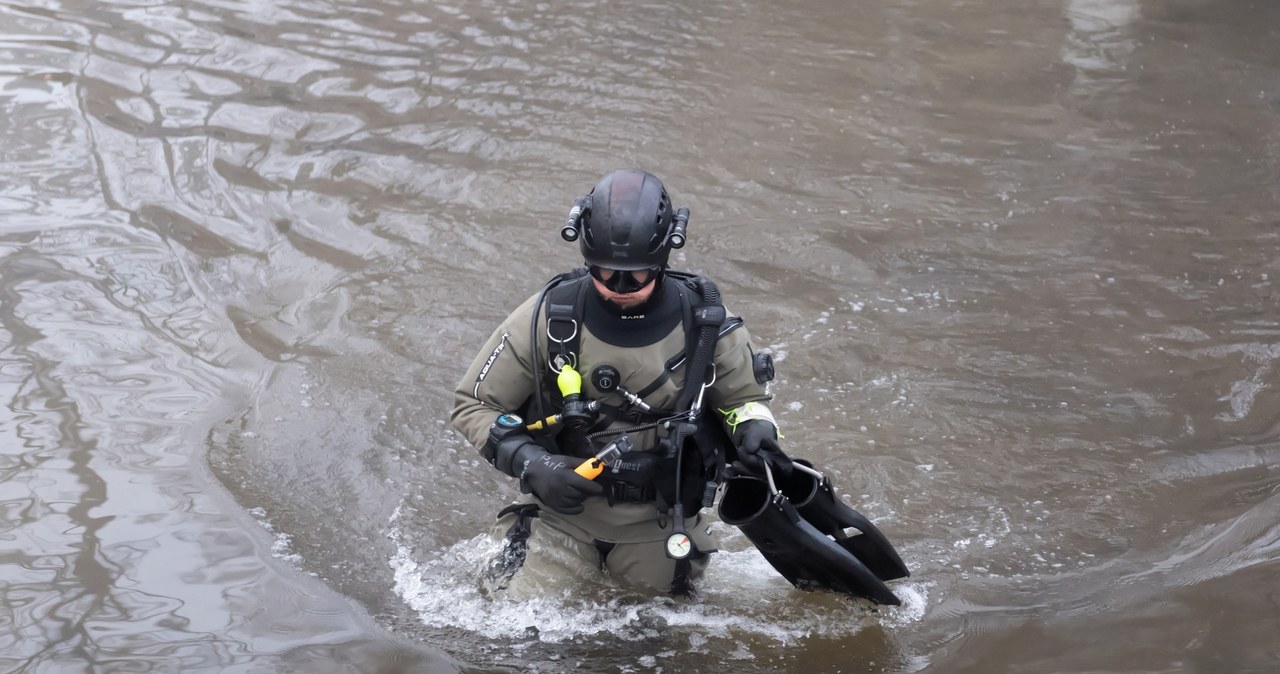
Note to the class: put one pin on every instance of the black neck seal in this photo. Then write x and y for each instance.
(641, 325)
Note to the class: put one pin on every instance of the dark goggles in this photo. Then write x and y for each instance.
(624, 281)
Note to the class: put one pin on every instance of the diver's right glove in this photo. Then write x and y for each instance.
(552, 479)
(549, 476)
(757, 443)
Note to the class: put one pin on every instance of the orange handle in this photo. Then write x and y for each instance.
(591, 468)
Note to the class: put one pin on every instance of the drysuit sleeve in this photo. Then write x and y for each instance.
(500, 379)
(736, 394)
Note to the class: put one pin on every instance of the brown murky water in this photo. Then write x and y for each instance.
(1018, 264)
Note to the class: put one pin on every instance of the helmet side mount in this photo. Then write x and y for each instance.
(626, 222)
(572, 226)
(679, 224)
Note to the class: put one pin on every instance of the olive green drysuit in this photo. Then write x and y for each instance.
(625, 537)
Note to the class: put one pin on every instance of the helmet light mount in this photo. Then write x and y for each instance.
(679, 224)
(674, 237)
(573, 224)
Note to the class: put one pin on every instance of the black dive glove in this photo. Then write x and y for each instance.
(757, 443)
(551, 478)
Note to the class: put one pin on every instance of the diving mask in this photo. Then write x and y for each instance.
(624, 282)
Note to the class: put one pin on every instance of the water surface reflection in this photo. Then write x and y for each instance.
(1016, 265)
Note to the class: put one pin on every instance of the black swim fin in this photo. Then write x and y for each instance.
(814, 497)
(806, 557)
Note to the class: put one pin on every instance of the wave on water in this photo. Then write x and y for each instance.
(740, 598)
(281, 543)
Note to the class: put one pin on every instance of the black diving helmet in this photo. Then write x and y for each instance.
(626, 229)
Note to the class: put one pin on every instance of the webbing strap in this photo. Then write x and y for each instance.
(564, 323)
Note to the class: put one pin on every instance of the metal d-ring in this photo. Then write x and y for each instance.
(571, 358)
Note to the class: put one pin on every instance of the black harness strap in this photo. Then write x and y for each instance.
(564, 322)
(537, 397)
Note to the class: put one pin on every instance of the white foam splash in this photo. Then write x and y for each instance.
(740, 597)
(282, 543)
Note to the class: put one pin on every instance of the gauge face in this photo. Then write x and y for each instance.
(679, 546)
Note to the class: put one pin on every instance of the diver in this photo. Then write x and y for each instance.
(623, 395)
(636, 363)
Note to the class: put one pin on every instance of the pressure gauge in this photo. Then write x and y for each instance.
(679, 545)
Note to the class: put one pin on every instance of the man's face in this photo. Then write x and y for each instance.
(625, 289)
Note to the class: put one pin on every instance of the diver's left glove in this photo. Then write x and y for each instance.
(757, 444)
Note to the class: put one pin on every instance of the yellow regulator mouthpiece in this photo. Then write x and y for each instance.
(569, 381)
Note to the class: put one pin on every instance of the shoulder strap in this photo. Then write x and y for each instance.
(694, 304)
(565, 308)
(705, 319)
(553, 287)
